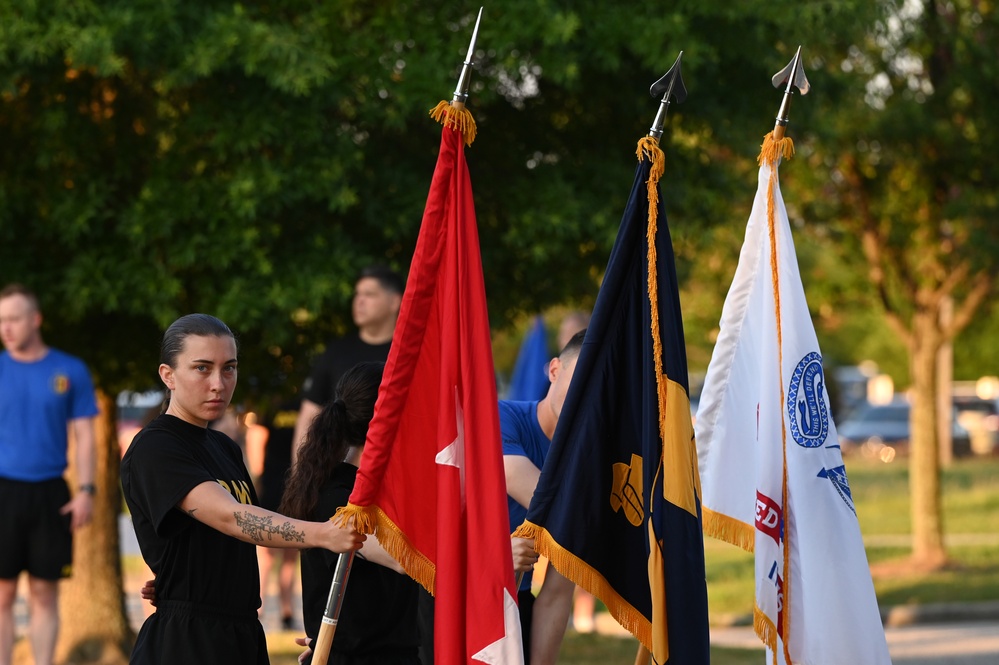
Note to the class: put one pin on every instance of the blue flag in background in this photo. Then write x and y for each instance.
(617, 508)
(530, 373)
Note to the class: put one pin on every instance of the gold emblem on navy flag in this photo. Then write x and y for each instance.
(626, 494)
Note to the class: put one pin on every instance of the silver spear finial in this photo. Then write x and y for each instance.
(792, 76)
(461, 90)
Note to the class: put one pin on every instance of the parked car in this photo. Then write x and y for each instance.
(881, 431)
(981, 418)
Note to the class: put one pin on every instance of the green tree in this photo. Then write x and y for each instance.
(905, 164)
(251, 158)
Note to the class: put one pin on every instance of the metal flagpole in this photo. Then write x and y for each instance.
(790, 77)
(331, 615)
(461, 89)
(670, 85)
(321, 649)
(773, 150)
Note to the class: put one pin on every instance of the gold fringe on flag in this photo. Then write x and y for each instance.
(362, 518)
(584, 575)
(727, 528)
(765, 629)
(459, 119)
(371, 519)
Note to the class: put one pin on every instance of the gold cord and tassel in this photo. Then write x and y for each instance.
(771, 152)
(772, 149)
(648, 148)
(457, 118)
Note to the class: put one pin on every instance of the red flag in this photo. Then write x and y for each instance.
(431, 478)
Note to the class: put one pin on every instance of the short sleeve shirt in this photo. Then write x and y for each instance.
(340, 355)
(37, 401)
(522, 435)
(192, 561)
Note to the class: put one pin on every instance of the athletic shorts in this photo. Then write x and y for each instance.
(525, 603)
(182, 633)
(35, 537)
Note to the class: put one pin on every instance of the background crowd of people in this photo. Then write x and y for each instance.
(221, 501)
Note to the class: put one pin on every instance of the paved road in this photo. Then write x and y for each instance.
(945, 644)
(972, 643)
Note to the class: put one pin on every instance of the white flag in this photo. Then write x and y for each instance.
(772, 474)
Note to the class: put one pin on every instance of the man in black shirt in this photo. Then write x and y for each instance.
(377, 298)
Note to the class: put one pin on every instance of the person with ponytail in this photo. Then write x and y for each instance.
(195, 512)
(378, 618)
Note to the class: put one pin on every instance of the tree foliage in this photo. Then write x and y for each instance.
(905, 172)
(248, 158)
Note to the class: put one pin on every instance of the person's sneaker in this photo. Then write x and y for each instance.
(286, 622)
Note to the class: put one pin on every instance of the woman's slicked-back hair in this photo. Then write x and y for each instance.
(198, 325)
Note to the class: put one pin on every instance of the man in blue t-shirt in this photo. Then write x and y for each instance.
(527, 429)
(43, 393)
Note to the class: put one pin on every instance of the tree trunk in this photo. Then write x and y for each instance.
(924, 462)
(94, 623)
(945, 388)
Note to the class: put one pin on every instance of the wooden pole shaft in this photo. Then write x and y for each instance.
(321, 649)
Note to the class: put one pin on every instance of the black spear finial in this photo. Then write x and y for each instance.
(670, 85)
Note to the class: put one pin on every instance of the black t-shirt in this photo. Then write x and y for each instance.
(192, 562)
(379, 605)
(340, 355)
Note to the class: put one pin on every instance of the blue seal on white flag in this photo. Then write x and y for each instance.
(806, 403)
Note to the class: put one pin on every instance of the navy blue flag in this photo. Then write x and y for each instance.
(618, 509)
(530, 373)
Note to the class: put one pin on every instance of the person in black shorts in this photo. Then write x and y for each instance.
(194, 510)
(44, 393)
(375, 308)
(378, 623)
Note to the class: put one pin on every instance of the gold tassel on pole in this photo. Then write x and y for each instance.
(457, 117)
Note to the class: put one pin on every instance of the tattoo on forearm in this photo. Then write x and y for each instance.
(263, 528)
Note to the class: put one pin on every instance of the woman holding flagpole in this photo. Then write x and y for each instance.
(378, 619)
(195, 515)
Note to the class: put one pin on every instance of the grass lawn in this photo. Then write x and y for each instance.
(590, 649)
(970, 497)
(881, 493)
